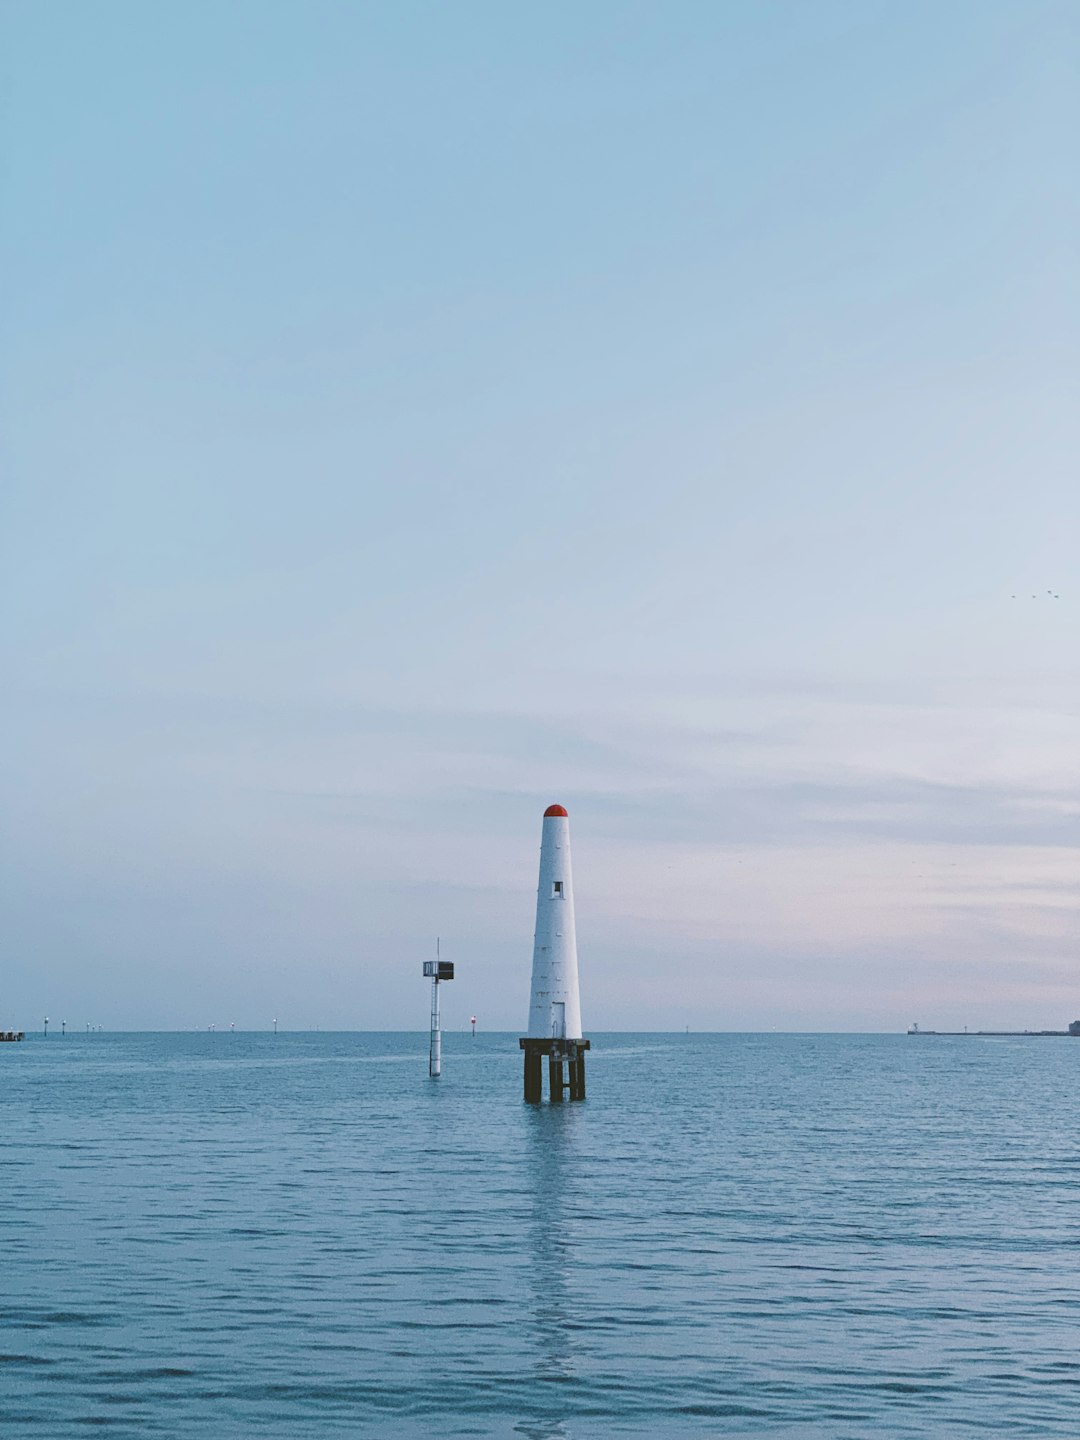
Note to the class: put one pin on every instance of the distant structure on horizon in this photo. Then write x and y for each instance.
(1073, 1030)
(555, 1006)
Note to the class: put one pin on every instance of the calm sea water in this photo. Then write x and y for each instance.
(302, 1236)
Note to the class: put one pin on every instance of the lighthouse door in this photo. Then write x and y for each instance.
(558, 1019)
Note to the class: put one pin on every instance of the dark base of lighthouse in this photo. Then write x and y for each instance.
(566, 1069)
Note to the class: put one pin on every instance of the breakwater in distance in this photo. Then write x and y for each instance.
(1072, 1032)
(302, 1236)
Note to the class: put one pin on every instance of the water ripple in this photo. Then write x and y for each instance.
(823, 1238)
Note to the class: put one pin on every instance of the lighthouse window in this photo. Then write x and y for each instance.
(556, 888)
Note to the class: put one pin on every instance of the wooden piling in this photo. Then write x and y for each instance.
(566, 1069)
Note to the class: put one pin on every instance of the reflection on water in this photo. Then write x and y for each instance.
(552, 1152)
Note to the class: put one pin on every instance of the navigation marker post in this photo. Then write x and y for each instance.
(436, 970)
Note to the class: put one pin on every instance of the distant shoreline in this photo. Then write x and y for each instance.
(995, 1034)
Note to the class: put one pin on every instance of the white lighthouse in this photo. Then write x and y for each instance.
(555, 1005)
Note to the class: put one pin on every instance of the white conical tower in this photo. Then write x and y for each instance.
(554, 1004)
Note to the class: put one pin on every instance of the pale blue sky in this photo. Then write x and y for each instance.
(414, 414)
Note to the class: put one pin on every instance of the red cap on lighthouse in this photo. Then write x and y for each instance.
(554, 810)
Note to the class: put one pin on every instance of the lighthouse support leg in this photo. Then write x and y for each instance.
(534, 1077)
(576, 1076)
(566, 1069)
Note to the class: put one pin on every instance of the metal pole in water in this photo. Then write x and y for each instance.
(435, 1050)
(438, 969)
